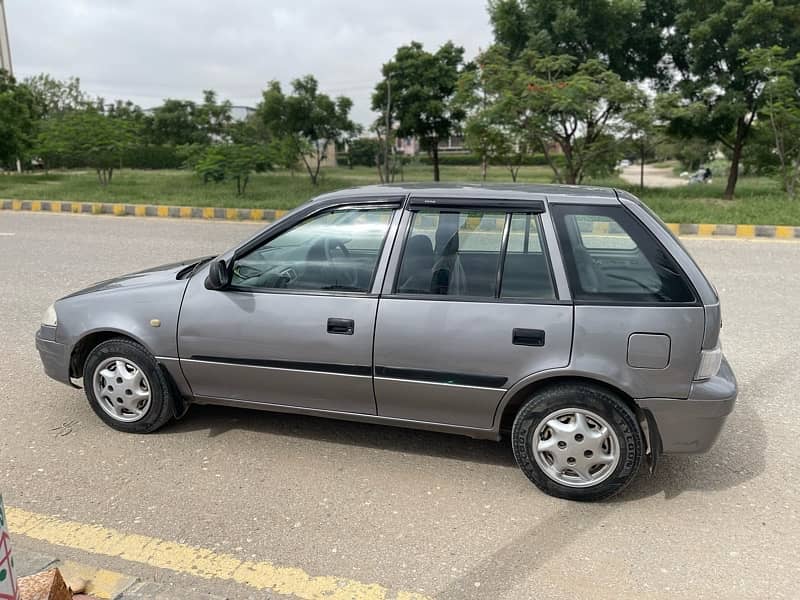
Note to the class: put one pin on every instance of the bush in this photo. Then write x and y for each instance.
(153, 157)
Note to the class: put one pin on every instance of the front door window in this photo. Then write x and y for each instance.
(333, 251)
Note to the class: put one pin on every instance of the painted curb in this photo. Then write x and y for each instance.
(144, 210)
(785, 232)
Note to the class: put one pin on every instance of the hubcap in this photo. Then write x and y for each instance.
(122, 389)
(575, 447)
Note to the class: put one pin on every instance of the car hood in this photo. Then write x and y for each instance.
(153, 275)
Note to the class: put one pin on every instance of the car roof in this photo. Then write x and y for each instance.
(509, 191)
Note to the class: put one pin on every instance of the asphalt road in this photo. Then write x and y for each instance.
(441, 515)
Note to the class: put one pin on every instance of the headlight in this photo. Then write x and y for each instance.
(710, 361)
(49, 316)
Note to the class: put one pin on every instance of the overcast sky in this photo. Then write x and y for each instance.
(148, 50)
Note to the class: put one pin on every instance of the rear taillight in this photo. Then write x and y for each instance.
(710, 361)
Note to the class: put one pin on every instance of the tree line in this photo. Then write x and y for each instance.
(580, 84)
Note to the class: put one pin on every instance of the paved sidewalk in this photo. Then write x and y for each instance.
(100, 584)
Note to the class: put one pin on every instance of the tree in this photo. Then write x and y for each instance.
(214, 118)
(422, 87)
(16, 119)
(781, 107)
(87, 137)
(719, 96)
(644, 130)
(53, 96)
(236, 162)
(305, 123)
(174, 123)
(568, 110)
(627, 36)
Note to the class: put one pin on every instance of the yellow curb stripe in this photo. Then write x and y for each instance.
(140, 210)
(119, 209)
(232, 214)
(55, 207)
(36, 205)
(16, 205)
(745, 231)
(706, 229)
(784, 232)
(185, 212)
(208, 213)
(279, 214)
(256, 214)
(193, 560)
(100, 583)
(674, 227)
(162, 211)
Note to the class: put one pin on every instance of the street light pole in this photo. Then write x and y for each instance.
(5, 46)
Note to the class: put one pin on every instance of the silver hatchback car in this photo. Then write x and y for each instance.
(569, 318)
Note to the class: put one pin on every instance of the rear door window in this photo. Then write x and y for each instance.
(610, 256)
(475, 254)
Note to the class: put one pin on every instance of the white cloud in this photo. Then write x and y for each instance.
(147, 50)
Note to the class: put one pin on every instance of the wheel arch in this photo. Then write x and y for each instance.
(80, 351)
(520, 393)
(90, 340)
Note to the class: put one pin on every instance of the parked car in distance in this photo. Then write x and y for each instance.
(568, 318)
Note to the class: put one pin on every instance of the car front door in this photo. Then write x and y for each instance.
(469, 308)
(295, 327)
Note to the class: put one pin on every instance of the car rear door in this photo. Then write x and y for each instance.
(296, 326)
(469, 307)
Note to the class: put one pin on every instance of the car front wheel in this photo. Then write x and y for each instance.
(578, 442)
(126, 388)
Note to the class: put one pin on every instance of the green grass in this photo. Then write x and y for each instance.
(758, 201)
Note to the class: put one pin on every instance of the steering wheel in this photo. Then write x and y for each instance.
(347, 270)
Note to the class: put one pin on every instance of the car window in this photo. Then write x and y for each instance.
(454, 253)
(526, 270)
(459, 253)
(337, 250)
(611, 256)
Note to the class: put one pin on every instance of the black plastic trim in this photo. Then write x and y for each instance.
(490, 381)
(522, 205)
(290, 365)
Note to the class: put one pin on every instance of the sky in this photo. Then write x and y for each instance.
(148, 50)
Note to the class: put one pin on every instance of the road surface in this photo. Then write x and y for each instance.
(438, 515)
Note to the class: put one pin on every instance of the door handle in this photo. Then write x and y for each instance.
(527, 337)
(341, 326)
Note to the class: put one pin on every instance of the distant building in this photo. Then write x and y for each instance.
(410, 146)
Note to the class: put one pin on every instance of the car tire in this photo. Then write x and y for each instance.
(573, 458)
(127, 360)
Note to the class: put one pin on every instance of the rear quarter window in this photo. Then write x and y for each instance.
(610, 256)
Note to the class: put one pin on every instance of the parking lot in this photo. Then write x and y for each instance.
(438, 515)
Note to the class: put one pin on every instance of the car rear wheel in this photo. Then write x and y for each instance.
(578, 442)
(126, 388)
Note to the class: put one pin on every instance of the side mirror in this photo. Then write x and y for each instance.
(218, 276)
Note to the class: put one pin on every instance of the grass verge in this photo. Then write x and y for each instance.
(759, 200)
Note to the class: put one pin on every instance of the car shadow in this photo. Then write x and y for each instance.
(218, 420)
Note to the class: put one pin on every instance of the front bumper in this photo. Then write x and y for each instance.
(54, 356)
(693, 424)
